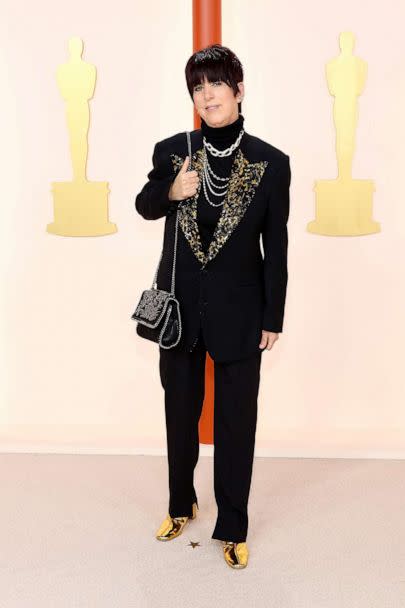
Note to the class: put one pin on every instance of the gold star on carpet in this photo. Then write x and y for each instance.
(194, 545)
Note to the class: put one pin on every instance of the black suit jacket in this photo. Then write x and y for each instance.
(232, 291)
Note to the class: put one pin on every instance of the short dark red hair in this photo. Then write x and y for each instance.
(216, 62)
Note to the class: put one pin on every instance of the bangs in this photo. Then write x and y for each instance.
(213, 72)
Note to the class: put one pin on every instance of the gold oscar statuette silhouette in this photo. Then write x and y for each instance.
(344, 205)
(80, 207)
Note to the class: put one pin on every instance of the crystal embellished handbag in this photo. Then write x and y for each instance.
(158, 311)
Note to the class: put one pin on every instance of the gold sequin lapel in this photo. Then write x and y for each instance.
(244, 180)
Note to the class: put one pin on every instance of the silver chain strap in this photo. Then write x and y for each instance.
(176, 232)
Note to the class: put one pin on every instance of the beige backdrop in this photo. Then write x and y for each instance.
(75, 375)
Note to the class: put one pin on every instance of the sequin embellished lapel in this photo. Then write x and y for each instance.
(243, 182)
(188, 210)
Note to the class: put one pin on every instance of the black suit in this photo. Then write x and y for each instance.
(230, 294)
(232, 291)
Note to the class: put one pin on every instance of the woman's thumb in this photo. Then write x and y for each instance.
(185, 164)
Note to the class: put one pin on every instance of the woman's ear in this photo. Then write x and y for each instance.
(240, 95)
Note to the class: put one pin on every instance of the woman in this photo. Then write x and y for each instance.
(231, 299)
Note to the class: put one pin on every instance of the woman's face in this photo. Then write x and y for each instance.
(218, 94)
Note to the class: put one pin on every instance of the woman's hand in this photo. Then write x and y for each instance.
(185, 184)
(268, 339)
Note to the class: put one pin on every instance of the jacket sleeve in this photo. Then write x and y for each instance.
(275, 245)
(153, 201)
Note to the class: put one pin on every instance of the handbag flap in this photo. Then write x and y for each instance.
(151, 306)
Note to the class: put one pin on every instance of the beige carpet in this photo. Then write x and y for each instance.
(77, 531)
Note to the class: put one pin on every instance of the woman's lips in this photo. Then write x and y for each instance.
(212, 108)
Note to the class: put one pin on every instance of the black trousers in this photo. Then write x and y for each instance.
(236, 386)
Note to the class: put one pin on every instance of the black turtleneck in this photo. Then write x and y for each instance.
(221, 138)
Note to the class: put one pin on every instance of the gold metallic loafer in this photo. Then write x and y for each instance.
(236, 554)
(173, 526)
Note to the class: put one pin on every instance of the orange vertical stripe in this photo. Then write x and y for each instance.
(207, 28)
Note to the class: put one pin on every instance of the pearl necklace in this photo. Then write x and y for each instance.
(207, 180)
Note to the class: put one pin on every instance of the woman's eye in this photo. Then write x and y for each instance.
(198, 86)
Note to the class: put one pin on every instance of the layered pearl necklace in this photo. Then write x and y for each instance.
(208, 173)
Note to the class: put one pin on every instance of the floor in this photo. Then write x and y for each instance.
(78, 531)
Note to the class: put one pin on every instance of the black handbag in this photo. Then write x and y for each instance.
(158, 314)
